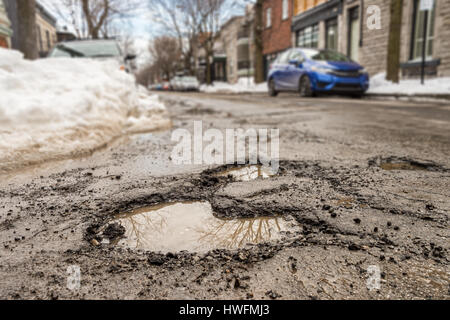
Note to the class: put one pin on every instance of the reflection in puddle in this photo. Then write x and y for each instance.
(193, 227)
(249, 173)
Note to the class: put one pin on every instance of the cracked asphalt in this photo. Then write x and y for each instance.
(368, 182)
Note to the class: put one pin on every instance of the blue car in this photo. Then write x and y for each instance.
(313, 71)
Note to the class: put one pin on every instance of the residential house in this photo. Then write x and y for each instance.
(277, 20)
(45, 23)
(230, 34)
(5, 27)
(218, 62)
(345, 26)
(246, 44)
(46, 30)
(65, 35)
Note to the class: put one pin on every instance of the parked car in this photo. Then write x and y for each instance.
(175, 83)
(166, 85)
(312, 71)
(94, 49)
(187, 83)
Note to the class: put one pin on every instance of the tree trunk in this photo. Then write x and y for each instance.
(395, 30)
(208, 69)
(27, 34)
(94, 29)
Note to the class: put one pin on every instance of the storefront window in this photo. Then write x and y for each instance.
(419, 20)
(308, 37)
(331, 34)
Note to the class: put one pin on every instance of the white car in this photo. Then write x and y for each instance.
(94, 49)
(188, 83)
(175, 83)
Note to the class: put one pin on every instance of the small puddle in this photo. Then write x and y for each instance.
(192, 227)
(248, 173)
(401, 166)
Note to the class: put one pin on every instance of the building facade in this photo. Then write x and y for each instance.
(348, 27)
(277, 36)
(46, 30)
(45, 24)
(5, 27)
(229, 36)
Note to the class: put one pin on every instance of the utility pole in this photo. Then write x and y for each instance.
(258, 32)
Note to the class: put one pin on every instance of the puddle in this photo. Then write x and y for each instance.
(192, 227)
(401, 166)
(249, 173)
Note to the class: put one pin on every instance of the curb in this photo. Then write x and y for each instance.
(413, 98)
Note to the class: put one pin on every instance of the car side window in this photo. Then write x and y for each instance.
(296, 55)
(284, 58)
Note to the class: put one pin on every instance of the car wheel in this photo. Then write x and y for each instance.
(272, 91)
(304, 87)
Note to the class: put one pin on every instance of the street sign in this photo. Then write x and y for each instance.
(426, 5)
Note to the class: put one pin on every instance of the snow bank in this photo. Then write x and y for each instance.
(379, 84)
(54, 108)
(242, 86)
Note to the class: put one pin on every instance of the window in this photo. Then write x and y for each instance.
(284, 57)
(331, 37)
(39, 38)
(296, 55)
(417, 43)
(49, 44)
(308, 37)
(268, 17)
(353, 34)
(285, 10)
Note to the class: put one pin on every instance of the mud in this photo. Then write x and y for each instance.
(350, 213)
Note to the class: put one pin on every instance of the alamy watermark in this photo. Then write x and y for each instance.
(373, 17)
(229, 146)
(374, 279)
(73, 278)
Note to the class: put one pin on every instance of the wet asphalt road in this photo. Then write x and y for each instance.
(353, 213)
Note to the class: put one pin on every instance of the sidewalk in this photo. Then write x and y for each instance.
(436, 90)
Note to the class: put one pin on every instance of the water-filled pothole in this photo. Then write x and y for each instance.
(176, 227)
(401, 166)
(248, 173)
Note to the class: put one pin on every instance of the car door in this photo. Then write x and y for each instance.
(294, 71)
(280, 76)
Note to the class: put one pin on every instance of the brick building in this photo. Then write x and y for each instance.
(5, 28)
(277, 20)
(343, 25)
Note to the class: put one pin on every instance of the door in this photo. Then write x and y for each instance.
(353, 34)
(294, 71)
(281, 75)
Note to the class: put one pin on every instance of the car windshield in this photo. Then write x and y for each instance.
(325, 55)
(88, 49)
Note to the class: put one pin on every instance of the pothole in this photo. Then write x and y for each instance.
(403, 163)
(389, 166)
(248, 173)
(191, 226)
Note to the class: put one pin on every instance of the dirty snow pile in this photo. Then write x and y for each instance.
(244, 85)
(54, 108)
(379, 84)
